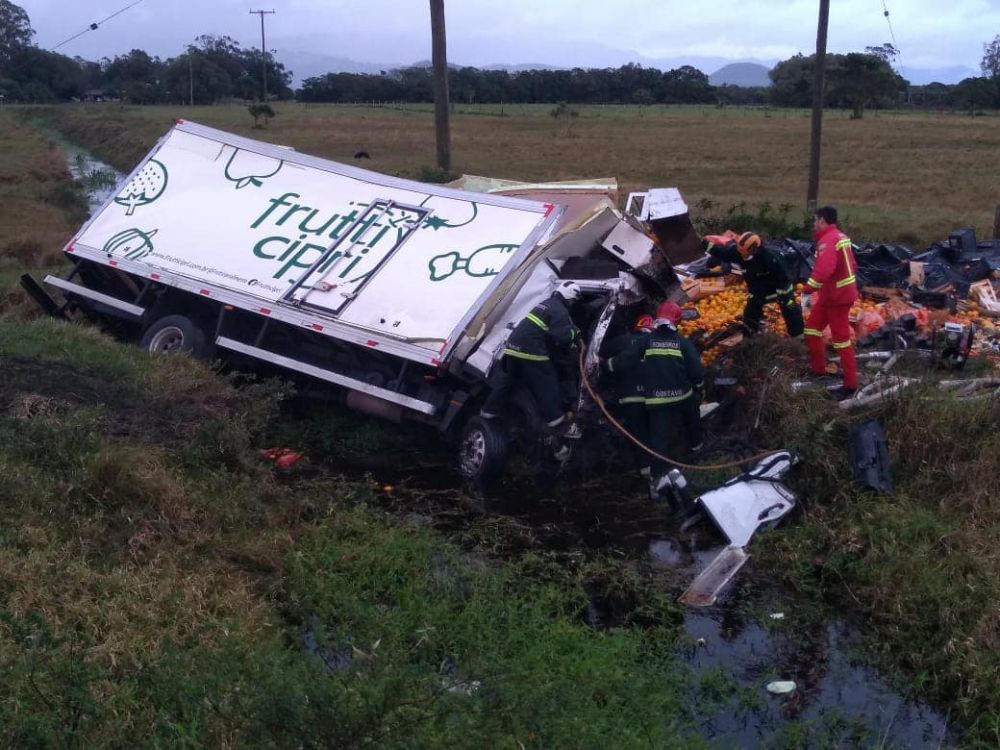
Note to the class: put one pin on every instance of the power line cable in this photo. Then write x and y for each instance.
(898, 57)
(888, 20)
(96, 24)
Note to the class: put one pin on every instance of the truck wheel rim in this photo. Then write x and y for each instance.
(167, 341)
(473, 453)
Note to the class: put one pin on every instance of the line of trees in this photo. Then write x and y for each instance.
(211, 70)
(627, 84)
(216, 68)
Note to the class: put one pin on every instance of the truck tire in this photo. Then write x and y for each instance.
(482, 450)
(174, 334)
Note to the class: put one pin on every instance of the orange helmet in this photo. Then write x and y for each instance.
(644, 323)
(747, 244)
(669, 311)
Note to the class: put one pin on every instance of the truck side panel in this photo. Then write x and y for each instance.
(251, 218)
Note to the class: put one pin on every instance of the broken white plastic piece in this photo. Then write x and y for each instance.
(706, 409)
(745, 504)
(740, 507)
(877, 390)
(663, 203)
(780, 687)
(704, 590)
(777, 615)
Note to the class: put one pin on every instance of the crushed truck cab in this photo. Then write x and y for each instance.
(399, 293)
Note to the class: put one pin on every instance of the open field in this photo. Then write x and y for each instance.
(907, 177)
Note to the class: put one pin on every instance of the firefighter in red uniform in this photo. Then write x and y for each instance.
(833, 284)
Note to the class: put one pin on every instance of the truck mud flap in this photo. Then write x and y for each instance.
(41, 297)
(869, 455)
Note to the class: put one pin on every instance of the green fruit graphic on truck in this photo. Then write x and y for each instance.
(247, 168)
(131, 244)
(486, 261)
(145, 187)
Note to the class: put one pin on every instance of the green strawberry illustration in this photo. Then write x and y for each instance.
(132, 244)
(147, 185)
(247, 168)
(486, 261)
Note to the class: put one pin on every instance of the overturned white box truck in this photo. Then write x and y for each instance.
(400, 293)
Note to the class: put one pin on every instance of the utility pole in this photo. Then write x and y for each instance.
(817, 114)
(190, 80)
(439, 59)
(263, 50)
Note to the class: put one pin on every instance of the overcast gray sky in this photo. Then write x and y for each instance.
(929, 33)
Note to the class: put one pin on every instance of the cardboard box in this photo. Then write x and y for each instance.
(916, 277)
(984, 293)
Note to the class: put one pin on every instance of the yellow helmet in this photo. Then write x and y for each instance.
(747, 244)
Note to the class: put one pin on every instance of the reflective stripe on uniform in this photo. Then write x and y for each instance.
(664, 353)
(631, 400)
(662, 400)
(845, 246)
(787, 290)
(771, 297)
(537, 321)
(813, 283)
(812, 332)
(842, 344)
(525, 355)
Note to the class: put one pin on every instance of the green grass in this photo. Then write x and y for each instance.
(40, 205)
(919, 565)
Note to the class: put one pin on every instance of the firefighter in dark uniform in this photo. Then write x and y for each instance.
(766, 278)
(624, 367)
(672, 376)
(535, 347)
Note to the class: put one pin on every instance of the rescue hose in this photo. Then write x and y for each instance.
(642, 446)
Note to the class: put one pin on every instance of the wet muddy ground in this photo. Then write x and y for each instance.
(754, 635)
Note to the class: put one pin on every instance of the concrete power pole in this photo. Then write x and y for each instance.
(263, 50)
(439, 58)
(817, 114)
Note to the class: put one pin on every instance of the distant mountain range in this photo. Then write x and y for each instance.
(740, 74)
(950, 74)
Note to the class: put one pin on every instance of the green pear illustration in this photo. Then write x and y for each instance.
(132, 244)
(147, 185)
(247, 168)
(485, 261)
